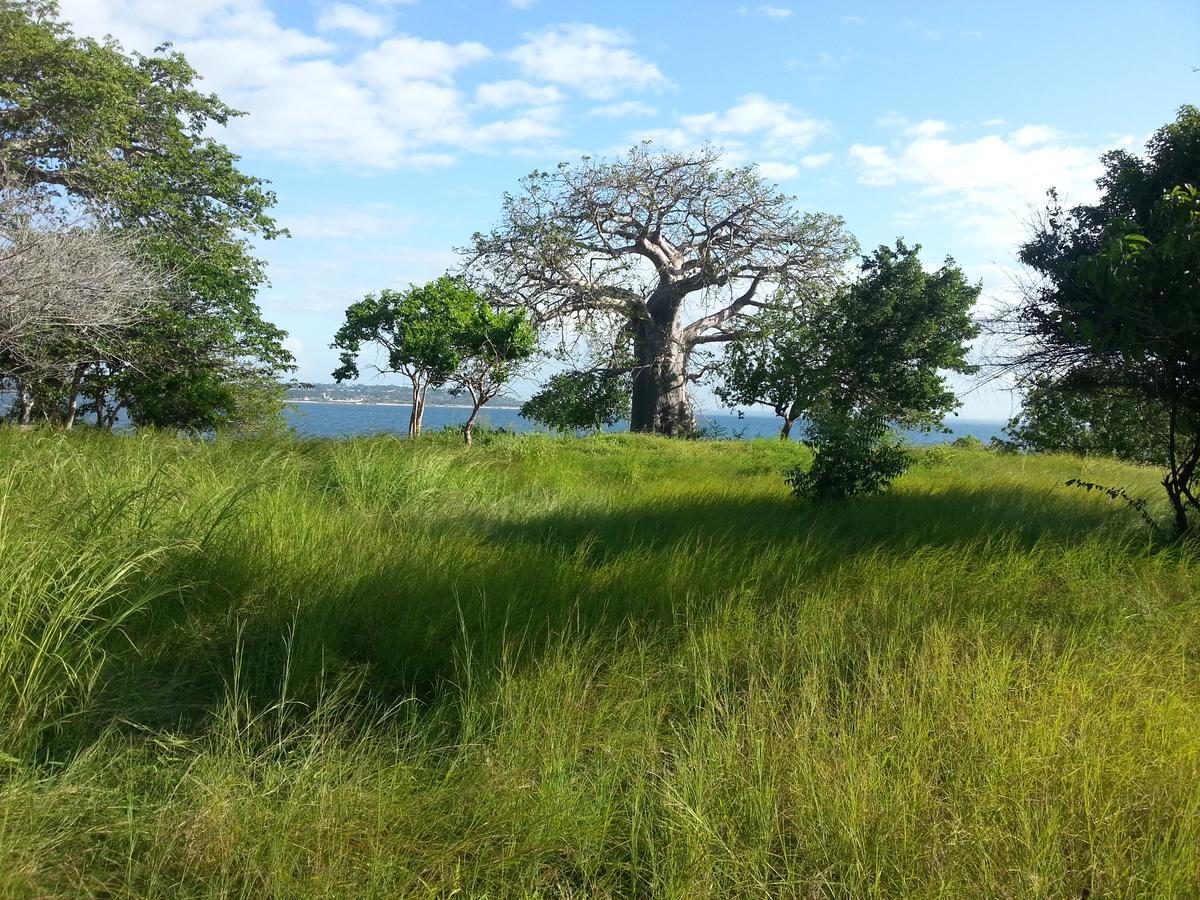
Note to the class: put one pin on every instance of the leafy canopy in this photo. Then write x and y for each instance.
(580, 401)
(877, 346)
(128, 136)
(1116, 310)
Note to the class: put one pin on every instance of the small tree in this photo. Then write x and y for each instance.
(494, 344)
(855, 454)
(860, 358)
(419, 332)
(580, 401)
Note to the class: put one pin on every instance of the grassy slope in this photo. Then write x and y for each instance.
(602, 667)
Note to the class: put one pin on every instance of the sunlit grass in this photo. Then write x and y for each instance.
(612, 666)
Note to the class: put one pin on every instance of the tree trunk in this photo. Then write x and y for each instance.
(26, 404)
(420, 388)
(73, 397)
(660, 402)
(785, 433)
(469, 428)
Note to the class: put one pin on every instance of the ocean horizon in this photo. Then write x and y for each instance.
(339, 418)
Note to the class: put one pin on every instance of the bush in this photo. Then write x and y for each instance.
(852, 457)
(580, 401)
(967, 442)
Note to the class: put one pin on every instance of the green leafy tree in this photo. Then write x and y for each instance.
(1116, 310)
(417, 333)
(1070, 415)
(878, 345)
(128, 137)
(494, 344)
(580, 401)
(869, 355)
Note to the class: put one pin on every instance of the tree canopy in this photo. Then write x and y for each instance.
(128, 137)
(1116, 309)
(580, 401)
(436, 334)
(877, 346)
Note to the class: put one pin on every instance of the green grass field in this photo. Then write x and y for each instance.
(606, 667)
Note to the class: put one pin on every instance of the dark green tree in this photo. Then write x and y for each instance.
(127, 136)
(1116, 307)
(878, 345)
(1070, 415)
(580, 401)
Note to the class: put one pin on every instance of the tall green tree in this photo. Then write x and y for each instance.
(878, 346)
(1116, 307)
(128, 136)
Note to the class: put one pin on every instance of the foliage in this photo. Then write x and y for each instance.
(877, 346)
(1116, 309)
(580, 401)
(437, 334)
(495, 344)
(1057, 416)
(127, 137)
(853, 456)
(623, 252)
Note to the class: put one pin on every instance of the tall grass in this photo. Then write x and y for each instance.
(611, 666)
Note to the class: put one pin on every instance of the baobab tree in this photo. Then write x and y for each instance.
(654, 255)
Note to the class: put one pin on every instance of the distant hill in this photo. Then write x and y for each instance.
(387, 393)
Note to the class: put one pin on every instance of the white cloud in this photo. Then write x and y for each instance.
(927, 128)
(521, 4)
(853, 20)
(986, 186)
(595, 61)
(396, 103)
(354, 19)
(771, 12)
(405, 58)
(627, 109)
(778, 171)
(755, 129)
(779, 126)
(502, 94)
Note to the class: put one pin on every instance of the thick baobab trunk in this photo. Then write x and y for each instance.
(660, 402)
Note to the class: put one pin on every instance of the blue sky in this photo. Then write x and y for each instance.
(391, 128)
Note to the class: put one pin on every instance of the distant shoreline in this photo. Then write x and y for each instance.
(396, 403)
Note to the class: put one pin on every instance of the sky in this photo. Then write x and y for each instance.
(390, 129)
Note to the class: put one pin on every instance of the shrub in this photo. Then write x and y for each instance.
(853, 456)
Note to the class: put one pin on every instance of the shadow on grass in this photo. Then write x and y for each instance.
(405, 628)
